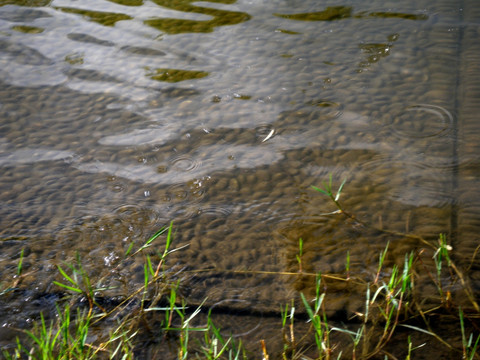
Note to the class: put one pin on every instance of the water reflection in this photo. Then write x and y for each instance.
(376, 51)
(177, 26)
(39, 75)
(143, 51)
(28, 29)
(343, 12)
(22, 54)
(156, 136)
(387, 14)
(29, 156)
(127, 2)
(101, 17)
(85, 38)
(174, 75)
(32, 3)
(212, 159)
(15, 14)
(330, 13)
(270, 146)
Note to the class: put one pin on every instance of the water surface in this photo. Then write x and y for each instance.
(120, 116)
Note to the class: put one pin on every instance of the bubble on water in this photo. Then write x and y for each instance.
(110, 259)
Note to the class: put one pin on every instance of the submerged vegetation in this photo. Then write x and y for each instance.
(89, 325)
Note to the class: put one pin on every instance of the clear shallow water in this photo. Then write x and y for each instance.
(119, 116)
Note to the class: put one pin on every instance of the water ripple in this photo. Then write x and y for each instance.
(423, 121)
(215, 210)
(412, 181)
(178, 26)
(185, 163)
(265, 132)
(177, 194)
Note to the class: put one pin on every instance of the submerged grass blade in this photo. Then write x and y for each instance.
(148, 243)
(320, 190)
(130, 247)
(416, 328)
(20, 264)
(309, 310)
(66, 276)
(74, 289)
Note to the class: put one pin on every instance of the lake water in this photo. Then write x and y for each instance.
(117, 117)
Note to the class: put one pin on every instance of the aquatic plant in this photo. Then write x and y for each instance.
(156, 309)
(69, 335)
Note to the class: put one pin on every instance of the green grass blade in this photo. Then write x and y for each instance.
(474, 348)
(148, 243)
(462, 327)
(150, 267)
(307, 307)
(77, 290)
(130, 247)
(20, 263)
(66, 276)
(169, 237)
(34, 338)
(320, 190)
